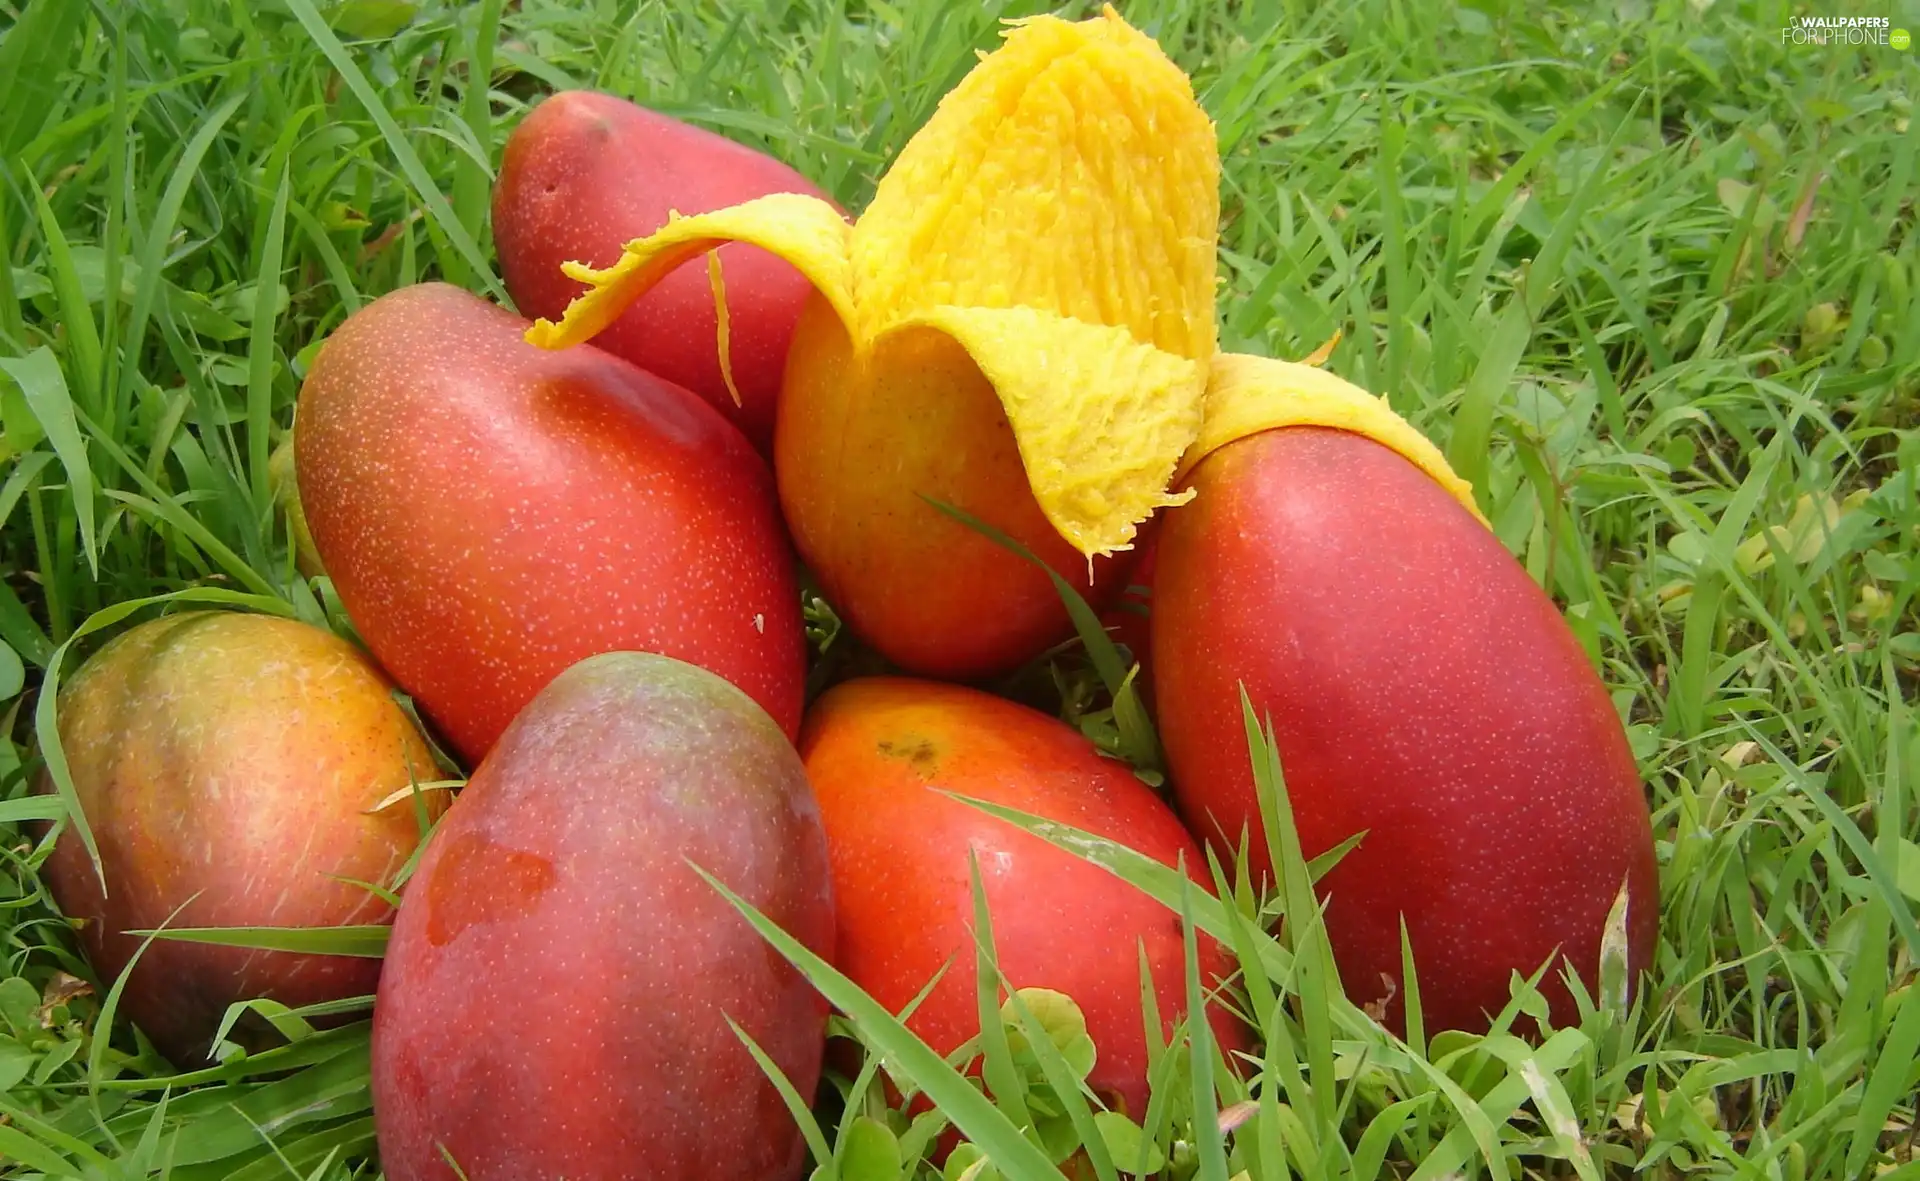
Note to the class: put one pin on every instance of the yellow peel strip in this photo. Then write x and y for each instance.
(1247, 394)
(719, 285)
(807, 232)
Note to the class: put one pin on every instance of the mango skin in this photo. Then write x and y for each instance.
(878, 750)
(856, 453)
(556, 993)
(236, 756)
(1423, 688)
(492, 512)
(585, 173)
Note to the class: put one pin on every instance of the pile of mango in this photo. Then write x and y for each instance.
(578, 543)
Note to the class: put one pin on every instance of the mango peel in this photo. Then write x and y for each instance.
(1248, 394)
(1058, 218)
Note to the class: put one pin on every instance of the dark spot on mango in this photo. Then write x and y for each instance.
(478, 881)
(917, 750)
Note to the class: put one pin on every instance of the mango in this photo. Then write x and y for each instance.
(583, 174)
(1425, 692)
(259, 763)
(557, 993)
(492, 513)
(859, 460)
(879, 751)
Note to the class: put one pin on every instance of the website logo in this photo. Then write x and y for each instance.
(1845, 30)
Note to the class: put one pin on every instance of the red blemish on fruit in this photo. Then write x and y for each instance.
(478, 881)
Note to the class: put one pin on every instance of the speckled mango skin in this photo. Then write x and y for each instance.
(235, 756)
(1423, 688)
(556, 993)
(585, 173)
(491, 513)
(878, 750)
(856, 459)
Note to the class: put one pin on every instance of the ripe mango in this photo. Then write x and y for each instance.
(492, 513)
(1423, 690)
(880, 751)
(243, 758)
(858, 461)
(557, 992)
(585, 173)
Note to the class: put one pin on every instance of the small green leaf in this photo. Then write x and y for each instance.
(968, 1163)
(15, 1062)
(19, 1000)
(1132, 1152)
(13, 674)
(1065, 1026)
(1884, 566)
(372, 20)
(1734, 196)
(869, 1152)
(1906, 870)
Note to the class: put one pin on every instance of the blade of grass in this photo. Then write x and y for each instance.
(45, 389)
(363, 941)
(32, 58)
(76, 317)
(1209, 1143)
(261, 347)
(996, 1057)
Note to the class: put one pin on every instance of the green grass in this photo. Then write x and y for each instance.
(1650, 276)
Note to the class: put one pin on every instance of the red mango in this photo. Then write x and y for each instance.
(586, 173)
(556, 998)
(1424, 690)
(492, 512)
(879, 751)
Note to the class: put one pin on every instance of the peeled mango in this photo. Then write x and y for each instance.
(259, 763)
(1018, 325)
(1424, 691)
(558, 990)
(492, 513)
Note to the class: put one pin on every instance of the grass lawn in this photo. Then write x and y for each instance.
(1650, 277)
